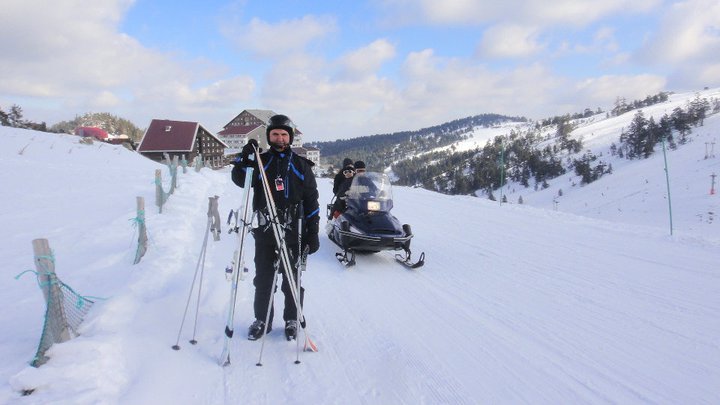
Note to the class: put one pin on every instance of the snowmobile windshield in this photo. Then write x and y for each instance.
(370, 191)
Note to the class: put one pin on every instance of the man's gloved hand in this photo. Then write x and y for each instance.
(247, 152)
(310, 238)
(312, 242)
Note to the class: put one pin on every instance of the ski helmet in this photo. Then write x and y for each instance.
(280, 121)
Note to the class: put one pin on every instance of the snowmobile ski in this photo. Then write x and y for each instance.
(347, 258)
(407, 261)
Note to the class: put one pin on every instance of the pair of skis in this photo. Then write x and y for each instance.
(284, 258)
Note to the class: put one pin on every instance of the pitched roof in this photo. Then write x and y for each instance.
(98, 133)
(263, 115)
(237, 130)
(168, 135)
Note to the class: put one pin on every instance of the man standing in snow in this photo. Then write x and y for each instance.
(292, 182)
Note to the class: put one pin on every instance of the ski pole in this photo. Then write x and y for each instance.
(301, 214)
(192, 286)
(267, 315)
(238, 263)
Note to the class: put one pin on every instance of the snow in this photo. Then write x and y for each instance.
(589, 300)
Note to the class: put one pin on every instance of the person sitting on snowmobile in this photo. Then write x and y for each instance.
(342, 174)
(340, 205)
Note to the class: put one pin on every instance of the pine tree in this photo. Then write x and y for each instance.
(4, 118)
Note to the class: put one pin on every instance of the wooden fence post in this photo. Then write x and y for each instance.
(159, 193)
(142, 230)
(50, 287)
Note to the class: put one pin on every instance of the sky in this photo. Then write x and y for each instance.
(347, 69)
(589, 300)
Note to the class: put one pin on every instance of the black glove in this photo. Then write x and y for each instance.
(248, 151)
(310, 238)
(312, 242)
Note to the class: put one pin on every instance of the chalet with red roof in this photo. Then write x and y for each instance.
(177, 138)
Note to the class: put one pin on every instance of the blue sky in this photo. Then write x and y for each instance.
(346, 69)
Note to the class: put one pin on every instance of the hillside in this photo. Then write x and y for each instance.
(531, 155)
(636, 192)
(515, 304)
(378, 150)
(474, 156)
(110, 123)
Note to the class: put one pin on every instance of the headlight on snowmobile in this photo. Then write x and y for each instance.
(373, 205)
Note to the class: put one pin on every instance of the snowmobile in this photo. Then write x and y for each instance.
(366, 225)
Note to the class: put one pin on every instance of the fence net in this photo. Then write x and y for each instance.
(65, 311)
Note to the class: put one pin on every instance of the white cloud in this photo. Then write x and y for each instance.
(537, 12)
(325, 106)
(308, 82)
(600, 91)
(687, 43)
(689, 30)
(367, 60)
(453, 88)
(277, 40)
(93, 66)
(510, 41)
(430, 90)
(106, 100)
(71, 56)
(604, 38)
(433, 90)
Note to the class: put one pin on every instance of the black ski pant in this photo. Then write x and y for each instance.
(265, 257)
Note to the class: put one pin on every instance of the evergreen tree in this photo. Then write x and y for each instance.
(15, 117)
(698, 109)
(653, 133)
(4, 118)
(681, 123)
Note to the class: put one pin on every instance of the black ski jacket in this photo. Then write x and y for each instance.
(291, 180)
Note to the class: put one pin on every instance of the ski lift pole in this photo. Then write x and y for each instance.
(667, 179)
(712, 185)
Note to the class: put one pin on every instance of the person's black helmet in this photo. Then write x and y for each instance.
(347, 161)
(280, 121)
(359, 165)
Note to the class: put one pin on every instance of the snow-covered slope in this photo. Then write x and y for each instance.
(515, 304)
(637, 192)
